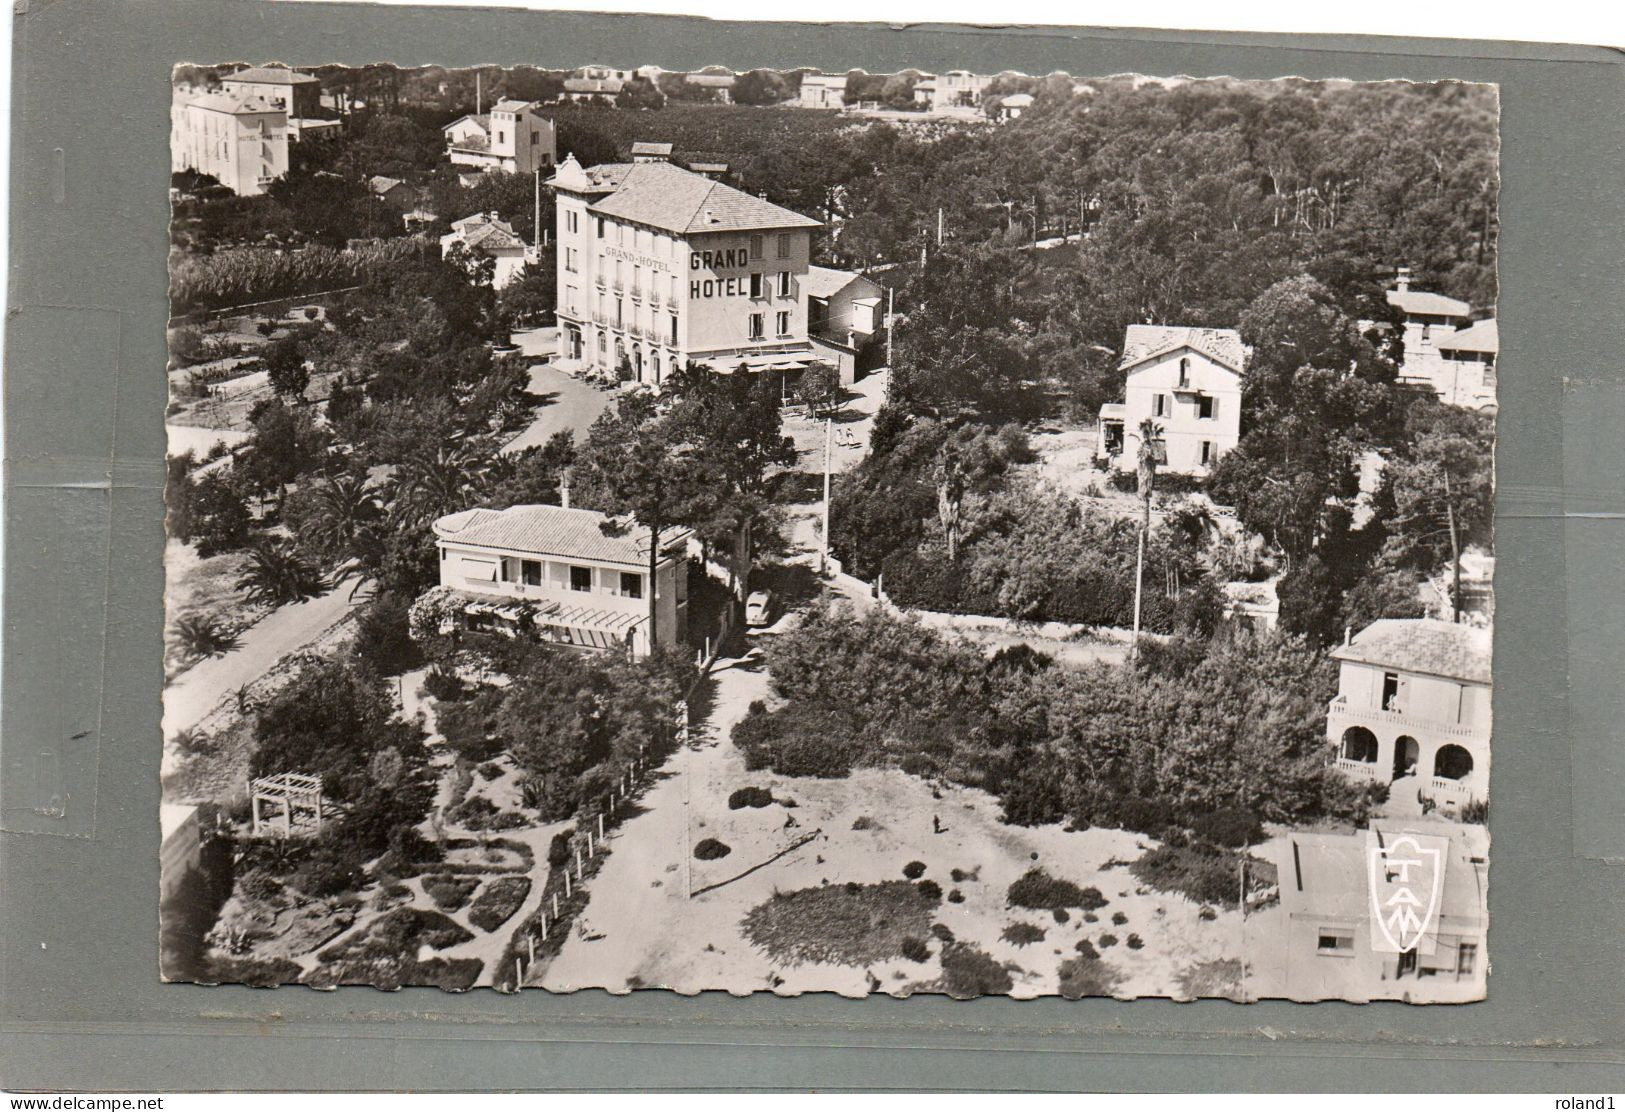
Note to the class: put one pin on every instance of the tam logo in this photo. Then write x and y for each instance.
(1406, 878)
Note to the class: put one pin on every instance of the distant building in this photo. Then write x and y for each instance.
(393, 192)
(925, 92)
(1254, 606)
(958, 89)
(1413, 709)
(1428, 318)
(575, 577)
(659, 266)
(822, 90)
(240, 141)
(584, 89)
(651, 152)
(845, 320)
(486, 234)
(1334, 946)
(716, 171)
(512, 138)
(300, 94)
(1188, 382)
(1466, 373)
(721, 85)
(1011, 107)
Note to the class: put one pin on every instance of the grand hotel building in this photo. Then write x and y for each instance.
(658, 266)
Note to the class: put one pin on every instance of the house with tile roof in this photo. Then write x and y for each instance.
(1187, 382)
(660, 266)
(239, 140)
(1466, 375)
(651, 152)
(392, 192)
(1334, 905)
(571, 576)
(488, 235)
(300, 93)
(845, 320)
(1412, 709)
(1427, 318)
(513, 137)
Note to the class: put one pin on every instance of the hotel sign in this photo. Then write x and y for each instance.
(638, 260)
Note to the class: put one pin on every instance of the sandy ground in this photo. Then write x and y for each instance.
(651, 933)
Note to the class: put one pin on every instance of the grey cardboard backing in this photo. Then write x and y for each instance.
(81, 1006)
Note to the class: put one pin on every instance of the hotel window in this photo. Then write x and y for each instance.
(570, 224)
(674, 288)
(619, 319)
(1207, 453)
(1390, 690)
(755, 247)
(1184, 370)
(599, 220)
(1466, 958)
(784, 246)
(631, 585)
(1207, 407)
(531, 572)
(1159, 405)
(570, 259)
(502, 136)
(784, 283)
(674, 329)
(570, 299)
(637, 280)
(755, 286)
(784, 324)
(1335, 941)
(756, 326)
(580, 579)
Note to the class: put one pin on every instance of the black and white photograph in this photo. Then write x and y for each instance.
(818, 531)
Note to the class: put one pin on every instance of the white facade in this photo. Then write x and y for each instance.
(1466, 372)
(1187, 381)
(512, 138)
(822, 90)
(486, 234)
(584, 581)
(242, 142)
(1413, 709)
(659, 266)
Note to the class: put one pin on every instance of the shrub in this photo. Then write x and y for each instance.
(443, 685)
(968, 972)
(1476, 811)
(709, 849)
(1207, 876)
(959, 876)
(930, 889)
(915, 949)
(200, 635)
(490, 770)
(846, 924)
(1147, 816)
(1086, 948)
(497, 903)
(1023, 934)
(558, 850)
(382, 638)
(450, 893)
(956, 897)
(941, 932)
(914, 870)
(1037, 890)
(1135, 942)
(749, 797)
(1062, 915)
(864, 822)
(1118, 918)
(1086, 976)
(1107, 940)
(1228, 827)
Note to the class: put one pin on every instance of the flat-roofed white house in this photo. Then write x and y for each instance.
(659, 266)
(513, 138)
(1466, 373)
(1412, 709)
(487, 234)
(1334, 948)
(575, 577)
(1188, 382)
(239, 140)
(844, 318)
(1012, 106)
(822, 90)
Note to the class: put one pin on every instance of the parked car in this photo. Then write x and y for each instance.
(759, 609)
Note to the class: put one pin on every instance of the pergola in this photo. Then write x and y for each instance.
(295, 799)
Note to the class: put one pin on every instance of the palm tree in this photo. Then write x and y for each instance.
(1145, 479)
(343, 525)
(430, 486)
(278, 574)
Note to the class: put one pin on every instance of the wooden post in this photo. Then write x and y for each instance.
(600, 826)
(544, 931)
(578, 861)
(589, 845)
(566, 882)
(530, 942)
(555, 903)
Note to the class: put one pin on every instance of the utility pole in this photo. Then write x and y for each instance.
(829, 441)
(537, 239)
(939, 226)
(479, 97)
(1145, 477)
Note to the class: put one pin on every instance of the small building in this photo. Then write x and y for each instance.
(239, 140)
(925, 92)
(651, 152)
(393, 192)
(720, 85)
(1412, 710)
(513, 138)
(716, 171)
(957, 89)
(485, 233)
(1466, 374)
(1335, 946)
(1252, 606)
(582, 90)
(1012, 106)
(299, 94)
(845, 321)
(1427, 319)
(1187, 381)
(822, 90)
(576, 577)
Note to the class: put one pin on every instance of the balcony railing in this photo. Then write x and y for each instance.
(1451, 789)
(1360, 770)
(1342, 709)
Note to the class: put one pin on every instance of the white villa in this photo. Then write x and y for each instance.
(1466, 373)
(511, 138)
(485, 233)
(1413, 709)
(1187, 381)
(578, 577)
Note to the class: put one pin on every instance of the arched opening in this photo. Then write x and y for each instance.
(1453, 763)
(1406, 754)
(1359, 744)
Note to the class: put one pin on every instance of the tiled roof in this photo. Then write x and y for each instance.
(824, 281)
(1148, 341)
(678, 200)
(483, 120)
(651, 148)
(1483, 338)
(480, 230)
(381, 184)
(571, 534)
(1425, 645)
(508, 104)
(271, 75)
(1431, 304)
(234, 103)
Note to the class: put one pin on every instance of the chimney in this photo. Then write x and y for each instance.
(1402, 279)
(1348, 635)
(564, 491)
